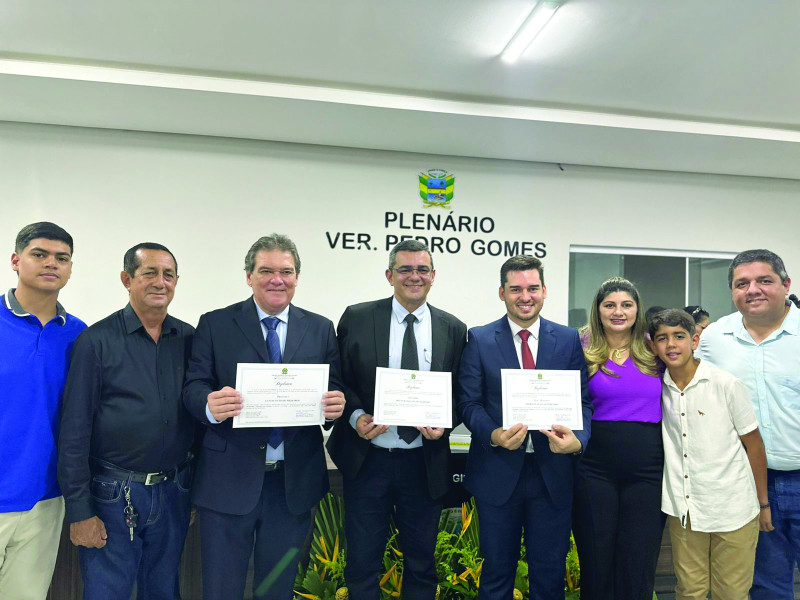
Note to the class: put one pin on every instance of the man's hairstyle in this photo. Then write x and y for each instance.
(131, 262)
(671, 317)
(521, 263)
(761, 255)
(271, 242)
(42, 229)
(698, 313)
(408, 246)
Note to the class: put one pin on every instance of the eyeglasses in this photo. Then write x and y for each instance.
(421, 271)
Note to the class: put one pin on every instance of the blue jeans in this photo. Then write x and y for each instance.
(152, 559)
(778, 551)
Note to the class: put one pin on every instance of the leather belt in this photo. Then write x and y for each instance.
(104, 468)
(273, 465)
(394, 450)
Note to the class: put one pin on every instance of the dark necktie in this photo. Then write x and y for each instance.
(274, 351)
(527, 357)
(409, 359)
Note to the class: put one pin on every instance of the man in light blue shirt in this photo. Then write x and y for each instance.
(760, 344)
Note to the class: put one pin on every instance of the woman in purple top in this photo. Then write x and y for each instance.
(617, 507)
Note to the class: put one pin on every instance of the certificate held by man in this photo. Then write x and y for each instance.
(413, 398)
(540, 399)
(280, 395)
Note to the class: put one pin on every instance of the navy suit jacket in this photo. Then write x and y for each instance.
(493, 472)
(230, 471)
(364, 345)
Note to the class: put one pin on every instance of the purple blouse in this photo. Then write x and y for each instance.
(633, 396)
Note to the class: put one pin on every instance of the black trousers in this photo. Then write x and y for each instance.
(617, 520)
(391, 483)
(267, 532)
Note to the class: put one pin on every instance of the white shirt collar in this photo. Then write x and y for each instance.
(703, 372)
(534, 329)
(400, 312)
(282, 316)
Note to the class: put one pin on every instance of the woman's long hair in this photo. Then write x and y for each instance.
(597, 349)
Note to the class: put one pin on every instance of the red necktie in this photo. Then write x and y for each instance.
(527, 357)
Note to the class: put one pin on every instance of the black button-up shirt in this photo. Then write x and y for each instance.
(122, 404)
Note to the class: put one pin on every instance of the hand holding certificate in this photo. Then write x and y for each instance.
(413, 398)
(539, 399)
(280, 395)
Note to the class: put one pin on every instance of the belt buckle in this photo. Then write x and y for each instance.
(271, 465)
(154, 478)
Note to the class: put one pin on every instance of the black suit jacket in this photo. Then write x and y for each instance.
(363, 334)
(230, 471)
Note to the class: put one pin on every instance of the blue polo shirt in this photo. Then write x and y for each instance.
(34, 360)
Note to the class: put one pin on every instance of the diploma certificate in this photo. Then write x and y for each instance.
(541, 398)
(413, 398)
(280, 395)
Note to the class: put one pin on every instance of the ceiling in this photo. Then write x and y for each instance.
(710, 86)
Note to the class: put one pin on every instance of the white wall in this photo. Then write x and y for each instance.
(208, 199)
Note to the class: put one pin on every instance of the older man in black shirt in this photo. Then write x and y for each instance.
(124, 449)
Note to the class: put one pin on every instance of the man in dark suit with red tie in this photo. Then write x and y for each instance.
(520, 478)
(401, 470)
(257, 482)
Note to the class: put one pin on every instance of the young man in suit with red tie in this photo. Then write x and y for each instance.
(257, 482)
(520, 478)
(400, 470)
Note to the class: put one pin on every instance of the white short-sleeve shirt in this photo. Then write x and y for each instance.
(706, 471)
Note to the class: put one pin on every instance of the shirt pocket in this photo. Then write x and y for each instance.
(790, 390)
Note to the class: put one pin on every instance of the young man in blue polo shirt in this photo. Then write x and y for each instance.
(36, 335)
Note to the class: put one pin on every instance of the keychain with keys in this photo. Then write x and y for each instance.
(131, 516)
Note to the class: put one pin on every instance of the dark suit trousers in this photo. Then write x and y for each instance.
(617, 521)
(389, 482)
(546, 539)
(227, 542)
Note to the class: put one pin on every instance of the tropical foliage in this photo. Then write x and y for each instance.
(459, 562)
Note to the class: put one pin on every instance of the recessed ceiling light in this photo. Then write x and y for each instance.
(536, 21)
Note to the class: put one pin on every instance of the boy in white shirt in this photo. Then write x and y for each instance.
(715, 469)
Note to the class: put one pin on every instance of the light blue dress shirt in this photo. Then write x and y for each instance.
(423, 332)
(283, 324)
(771, 372)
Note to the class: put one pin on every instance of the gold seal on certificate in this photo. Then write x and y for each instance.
(280, 395)
(541, 398)
(413, 398)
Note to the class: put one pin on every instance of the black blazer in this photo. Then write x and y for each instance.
(363, 335)
(230, 471)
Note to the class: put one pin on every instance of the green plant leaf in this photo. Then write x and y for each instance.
(276, 571)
